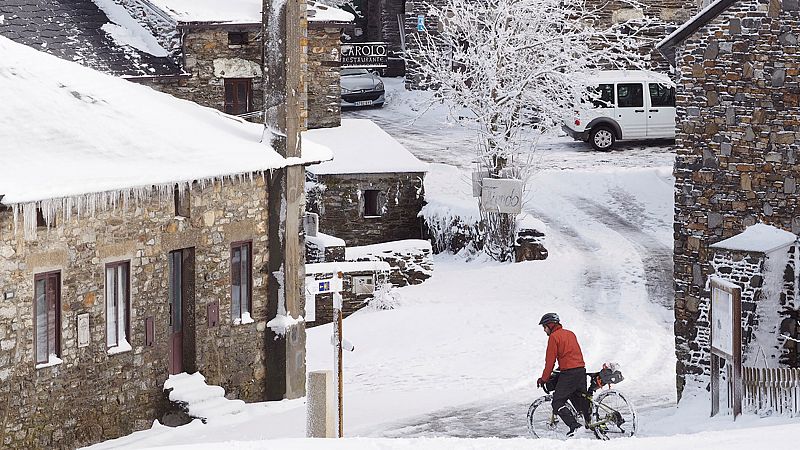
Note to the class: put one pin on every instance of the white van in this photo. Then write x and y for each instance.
(628, 104)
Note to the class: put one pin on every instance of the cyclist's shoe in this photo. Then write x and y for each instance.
(574, 430)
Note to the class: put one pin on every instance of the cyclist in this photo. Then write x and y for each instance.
(562, 346)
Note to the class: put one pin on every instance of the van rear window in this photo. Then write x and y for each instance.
(601, 96)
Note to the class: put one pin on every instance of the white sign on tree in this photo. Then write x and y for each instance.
(501, 195)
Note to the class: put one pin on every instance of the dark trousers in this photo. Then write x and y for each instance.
(571, 386)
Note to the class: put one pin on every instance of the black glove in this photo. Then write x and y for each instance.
(539, 383)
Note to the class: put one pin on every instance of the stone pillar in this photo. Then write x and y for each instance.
(321, 405)
(284, 37)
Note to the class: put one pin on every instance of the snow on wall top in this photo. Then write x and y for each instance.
(361, 146)
(760, 238)
(68, 130)
(239, 11)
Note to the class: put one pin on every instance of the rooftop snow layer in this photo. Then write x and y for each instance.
(361, 146)
(68, 130)
(760, 238)
(82, 31)
(238, 11)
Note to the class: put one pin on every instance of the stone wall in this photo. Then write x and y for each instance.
(91, 395)
(410, 260)
(324, 88)
(338, 199)
(738, 103)
(208, 59)
(351, 302)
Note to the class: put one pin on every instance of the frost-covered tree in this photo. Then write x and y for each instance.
(512, 68)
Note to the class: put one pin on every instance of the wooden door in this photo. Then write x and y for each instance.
(176, 312)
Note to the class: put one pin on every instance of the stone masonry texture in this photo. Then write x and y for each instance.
(92, 395)
(738, 102)
(338, 199)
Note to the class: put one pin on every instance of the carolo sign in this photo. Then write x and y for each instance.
(501, 195)
(365, 55)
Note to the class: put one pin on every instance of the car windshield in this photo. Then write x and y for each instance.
(349, 72)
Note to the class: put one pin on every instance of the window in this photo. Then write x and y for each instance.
(118, 329)
(183, 206)
(662, 95)
(371, 207)
(41, 221)
(47, 312)
(602, 96)
(238, 94)
(630, 95)
(237, 38)
(241, 282)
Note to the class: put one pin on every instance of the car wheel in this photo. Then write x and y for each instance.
(602, 138)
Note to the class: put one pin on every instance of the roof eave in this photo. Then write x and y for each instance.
(667, 46)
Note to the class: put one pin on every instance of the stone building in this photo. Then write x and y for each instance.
(131, 248)
(382, 21)
(221, 50)
(738, 99)
(201, 53)
(372, 191)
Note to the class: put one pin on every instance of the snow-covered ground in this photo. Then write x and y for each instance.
(460, 356)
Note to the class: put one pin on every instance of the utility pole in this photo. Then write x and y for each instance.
(283, 38)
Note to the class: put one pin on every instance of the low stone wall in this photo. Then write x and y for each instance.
(410, 260)
(351, 302)
(452, 233)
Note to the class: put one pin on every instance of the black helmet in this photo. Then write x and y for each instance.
(549, 318)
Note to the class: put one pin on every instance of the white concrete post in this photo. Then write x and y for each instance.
(320, 405)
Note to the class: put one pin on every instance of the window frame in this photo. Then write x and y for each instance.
(183, 203)
(249, 272)
(46, 277)
(127, 301)
(243, 38)
(668, 88)
(377, 203)
(231, 84)
(642, 95)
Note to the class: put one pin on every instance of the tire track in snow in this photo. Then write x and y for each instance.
(656, 257)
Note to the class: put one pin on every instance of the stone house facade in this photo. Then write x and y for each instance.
(224, 61)
(147, 257)
(372, 191)
(118, 392)
(737, 144)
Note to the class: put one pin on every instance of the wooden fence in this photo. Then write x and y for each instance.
(771, 390)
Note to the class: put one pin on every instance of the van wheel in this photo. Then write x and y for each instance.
(602, 138)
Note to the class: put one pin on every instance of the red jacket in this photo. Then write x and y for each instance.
(562, 346)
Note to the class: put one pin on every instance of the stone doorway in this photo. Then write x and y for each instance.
(181, 311)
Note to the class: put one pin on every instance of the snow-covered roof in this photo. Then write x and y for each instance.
(238, 11)
(68, 130)
(361, 146)
(629, 75)
(99, 34)
(760, 238)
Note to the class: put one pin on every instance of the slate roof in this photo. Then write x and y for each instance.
(71, 30)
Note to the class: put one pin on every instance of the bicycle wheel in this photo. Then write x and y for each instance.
(616, 416)
(543, 423)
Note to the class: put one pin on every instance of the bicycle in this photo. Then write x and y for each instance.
(612, 415)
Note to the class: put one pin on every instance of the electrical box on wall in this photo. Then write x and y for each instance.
(363, 284)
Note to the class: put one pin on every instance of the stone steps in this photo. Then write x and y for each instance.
(200, 400)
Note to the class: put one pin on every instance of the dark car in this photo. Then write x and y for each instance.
(360, 87)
